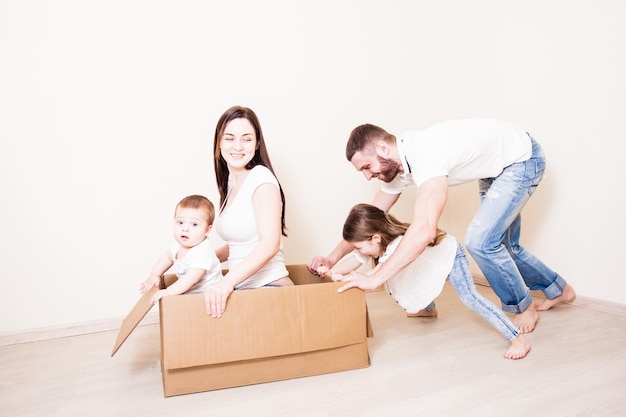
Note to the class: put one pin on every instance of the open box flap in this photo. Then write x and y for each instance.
(298, 273)
(133, 318)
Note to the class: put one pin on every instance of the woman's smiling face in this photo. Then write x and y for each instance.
(238, 143)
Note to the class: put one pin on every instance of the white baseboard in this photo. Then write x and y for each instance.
(77, 329)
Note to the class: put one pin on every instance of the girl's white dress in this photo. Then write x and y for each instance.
(422, 280)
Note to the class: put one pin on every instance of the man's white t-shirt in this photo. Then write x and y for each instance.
(463, 150)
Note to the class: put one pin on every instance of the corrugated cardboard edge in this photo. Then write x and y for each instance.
(133, 318)
(263, 370)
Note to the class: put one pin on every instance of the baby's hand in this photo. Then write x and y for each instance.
(158, 295)
(151, 282)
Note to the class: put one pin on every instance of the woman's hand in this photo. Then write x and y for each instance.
(215, 297)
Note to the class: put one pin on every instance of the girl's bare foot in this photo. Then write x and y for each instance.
(424, 313)
(519, 348)
(527, 320)
(568, 295)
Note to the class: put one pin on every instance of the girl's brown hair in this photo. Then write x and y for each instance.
(366, 220)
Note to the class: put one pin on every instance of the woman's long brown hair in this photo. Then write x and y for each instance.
(261, 157)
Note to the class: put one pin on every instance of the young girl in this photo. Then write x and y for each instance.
(375, 235)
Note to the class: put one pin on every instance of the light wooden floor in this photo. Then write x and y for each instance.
(449, 366)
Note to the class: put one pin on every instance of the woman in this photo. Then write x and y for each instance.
(252, 210)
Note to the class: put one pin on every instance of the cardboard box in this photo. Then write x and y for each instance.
(266, 334)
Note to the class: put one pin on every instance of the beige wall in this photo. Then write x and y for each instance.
(107, 112)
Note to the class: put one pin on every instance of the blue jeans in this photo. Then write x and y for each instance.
(461, 279)
(493, 236)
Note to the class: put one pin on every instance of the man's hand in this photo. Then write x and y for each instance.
(356, 280)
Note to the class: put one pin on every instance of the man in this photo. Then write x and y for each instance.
(508, 165)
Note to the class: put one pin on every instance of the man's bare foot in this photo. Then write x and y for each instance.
(568, 295)
(519, 348)
(527, 320)
(424, 313)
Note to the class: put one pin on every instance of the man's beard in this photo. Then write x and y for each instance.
(388, 169)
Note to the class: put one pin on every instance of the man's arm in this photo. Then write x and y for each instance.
(385, 201)
(430, 200)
